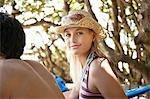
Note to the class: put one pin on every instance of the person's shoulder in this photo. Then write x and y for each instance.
(37, 66)
(9, 64)
(13, 70)
(13, 67)
(10, 61)
(99, 64)
(33, 62)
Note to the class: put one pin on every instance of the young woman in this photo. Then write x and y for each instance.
(89, 68)
(21, 79)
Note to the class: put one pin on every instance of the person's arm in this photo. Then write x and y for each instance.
(106, 82)
(72, 94)
(67, 93)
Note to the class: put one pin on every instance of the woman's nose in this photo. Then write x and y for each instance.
(73, 38)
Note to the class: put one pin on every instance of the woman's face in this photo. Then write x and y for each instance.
(79, 40)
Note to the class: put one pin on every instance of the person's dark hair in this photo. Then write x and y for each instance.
(12, 37)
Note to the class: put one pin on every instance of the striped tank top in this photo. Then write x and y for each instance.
(85, 93)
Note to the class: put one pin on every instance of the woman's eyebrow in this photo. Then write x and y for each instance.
(79, 29)
(66, 31)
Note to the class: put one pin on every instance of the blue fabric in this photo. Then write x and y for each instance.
(61, 84)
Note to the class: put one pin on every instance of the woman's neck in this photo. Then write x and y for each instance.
(83, 58)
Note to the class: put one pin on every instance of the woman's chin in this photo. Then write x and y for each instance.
(75, 52)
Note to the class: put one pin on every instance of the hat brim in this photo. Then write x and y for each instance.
(61, 29)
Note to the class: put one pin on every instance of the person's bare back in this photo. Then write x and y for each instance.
(26, 79)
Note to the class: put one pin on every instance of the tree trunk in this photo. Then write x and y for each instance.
(143, 38)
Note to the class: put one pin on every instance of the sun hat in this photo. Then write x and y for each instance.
(81, 18)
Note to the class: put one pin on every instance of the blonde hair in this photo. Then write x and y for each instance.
(75, 67)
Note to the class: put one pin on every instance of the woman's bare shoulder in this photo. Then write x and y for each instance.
(100, 66)
(96, 64)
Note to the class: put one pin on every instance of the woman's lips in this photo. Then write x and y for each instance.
(74, 46)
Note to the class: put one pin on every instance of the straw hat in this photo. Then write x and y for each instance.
(81, 18)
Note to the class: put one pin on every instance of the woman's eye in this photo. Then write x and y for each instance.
(67, 35)
(79, 33)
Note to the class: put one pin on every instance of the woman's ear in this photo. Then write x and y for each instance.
(93, 34)
(94, 37)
